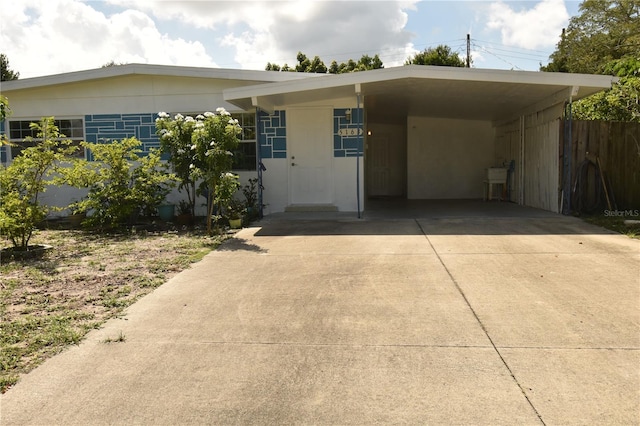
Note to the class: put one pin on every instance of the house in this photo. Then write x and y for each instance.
(332, 142)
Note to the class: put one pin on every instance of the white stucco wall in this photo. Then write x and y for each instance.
(345, 183)
(123, 95)
(276, 185)
(275, 181)
(447, 158)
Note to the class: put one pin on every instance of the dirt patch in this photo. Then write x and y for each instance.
(47, 304)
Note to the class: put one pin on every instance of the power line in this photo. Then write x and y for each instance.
(511, 47)
(498, 57)
(459, 46)
(502, 55)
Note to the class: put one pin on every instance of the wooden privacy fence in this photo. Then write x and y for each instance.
(616, 146)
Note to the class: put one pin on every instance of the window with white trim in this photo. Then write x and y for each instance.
(244, 157)
(19, 130)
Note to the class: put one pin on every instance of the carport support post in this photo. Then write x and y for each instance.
(567, 153)
(360, 133)
(259, 166)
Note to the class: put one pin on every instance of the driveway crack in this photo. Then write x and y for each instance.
(482, 326)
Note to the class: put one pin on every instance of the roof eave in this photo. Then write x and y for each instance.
(157, 70)
(265, 96)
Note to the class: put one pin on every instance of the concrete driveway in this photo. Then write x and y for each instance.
(532, 319)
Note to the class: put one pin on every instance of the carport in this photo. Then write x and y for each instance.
(430, 133)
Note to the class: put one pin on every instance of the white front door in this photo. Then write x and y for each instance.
(310, 140)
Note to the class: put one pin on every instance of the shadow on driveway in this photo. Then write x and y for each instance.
(430, 217)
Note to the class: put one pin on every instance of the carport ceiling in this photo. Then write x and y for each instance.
(474, 94)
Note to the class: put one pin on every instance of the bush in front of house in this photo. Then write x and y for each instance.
(122, 182)
(26, 178)
(201, 153)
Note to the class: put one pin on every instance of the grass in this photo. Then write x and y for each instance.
(50, 303)
(119, 339)
(616, 223)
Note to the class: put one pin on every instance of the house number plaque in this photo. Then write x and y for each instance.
(350, 132)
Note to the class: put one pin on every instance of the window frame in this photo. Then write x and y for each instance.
(251, 117)
(25, 132)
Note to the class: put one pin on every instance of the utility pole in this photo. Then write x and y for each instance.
(468, 51)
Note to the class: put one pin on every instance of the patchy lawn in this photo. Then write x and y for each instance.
(50, 303)
(616, 223)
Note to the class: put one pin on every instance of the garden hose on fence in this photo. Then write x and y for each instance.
(581, 189)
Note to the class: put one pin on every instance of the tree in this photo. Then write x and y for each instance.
(618, 104)
(202, 151)
(307, 65)
(441, 56)
(7, 73)
(25, 179)
(604, 39)
(603, 32)
(316, 65)
(273, 67)
(113, 63)
(5, 111)
(366, 62)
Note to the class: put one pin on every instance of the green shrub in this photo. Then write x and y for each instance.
(122, 183)
(25, 179)
(201, 151)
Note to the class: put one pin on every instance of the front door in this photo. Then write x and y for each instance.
(386, 161)
(309, 134)
(379, 165)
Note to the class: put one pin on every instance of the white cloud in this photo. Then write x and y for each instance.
(202, 14)
(42, 37)
(533, 28)
(274, 31)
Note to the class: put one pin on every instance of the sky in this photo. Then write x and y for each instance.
(45, 37)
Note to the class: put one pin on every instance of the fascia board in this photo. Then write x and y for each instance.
(421, 72)
(154, 70)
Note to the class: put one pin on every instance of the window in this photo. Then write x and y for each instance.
(73, 129)
(244, 157)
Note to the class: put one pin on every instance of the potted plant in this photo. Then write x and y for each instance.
(235, 210)
(251, 198)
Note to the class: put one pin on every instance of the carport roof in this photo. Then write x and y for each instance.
(468, 93)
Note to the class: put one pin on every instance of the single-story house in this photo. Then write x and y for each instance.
(334, 141)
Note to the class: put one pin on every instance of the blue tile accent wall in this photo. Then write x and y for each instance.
(102, 127)
(272, 134)
(350, 142)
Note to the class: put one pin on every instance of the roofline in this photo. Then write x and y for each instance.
(421, 71)
(149, 69)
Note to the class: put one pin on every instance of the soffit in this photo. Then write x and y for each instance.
(429, 91)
